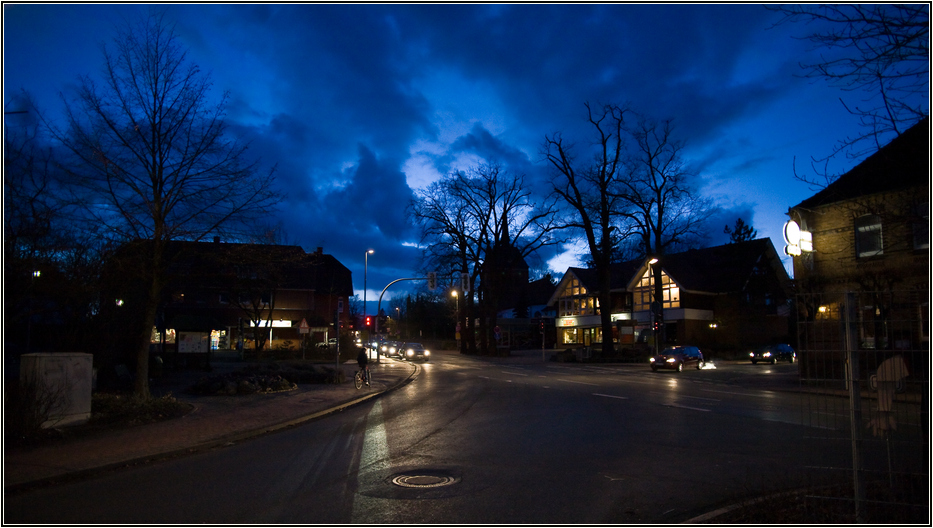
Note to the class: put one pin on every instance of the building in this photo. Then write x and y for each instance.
(229, 296)
(866, 238)
(727, 297)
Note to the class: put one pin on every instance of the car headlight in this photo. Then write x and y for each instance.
(651, 360)
(392, 349)
(411, 352)
(767, 354)
(427, 352)
(752, 354)
(672, 360)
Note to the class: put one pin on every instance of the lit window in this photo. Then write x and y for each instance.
(868, 241)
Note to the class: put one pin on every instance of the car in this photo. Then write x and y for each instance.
(773, 353)
(413, 351)
(390, 349)
(330, 343)
(677, 357)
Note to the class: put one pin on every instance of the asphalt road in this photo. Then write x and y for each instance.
(468, 441)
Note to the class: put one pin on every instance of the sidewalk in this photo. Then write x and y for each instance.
(215, 421)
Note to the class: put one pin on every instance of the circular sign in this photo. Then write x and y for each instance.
(791, 233)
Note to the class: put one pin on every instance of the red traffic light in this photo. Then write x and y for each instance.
(369, 321)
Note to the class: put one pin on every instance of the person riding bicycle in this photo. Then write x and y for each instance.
(363, 360)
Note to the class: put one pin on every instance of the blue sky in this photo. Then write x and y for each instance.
(361, 105)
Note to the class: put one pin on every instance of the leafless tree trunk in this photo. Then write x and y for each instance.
(591, 191)
(153, 160)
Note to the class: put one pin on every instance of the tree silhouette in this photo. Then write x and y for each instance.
(741, 232)
(153, 160)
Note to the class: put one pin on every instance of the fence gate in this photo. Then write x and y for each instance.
(864, 369)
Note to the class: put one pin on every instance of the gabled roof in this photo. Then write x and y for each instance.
(619, 275)
(715, 270)
(901, 164)
(722, 269)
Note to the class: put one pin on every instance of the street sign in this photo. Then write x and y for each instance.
(303, 327)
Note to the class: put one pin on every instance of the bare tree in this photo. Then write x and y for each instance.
(664, 211)
(153, 160)
(881, 50)
(591, 191)
(467, 219)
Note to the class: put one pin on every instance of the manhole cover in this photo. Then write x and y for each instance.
(423, 480)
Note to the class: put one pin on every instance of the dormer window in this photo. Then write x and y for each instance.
(868, 240)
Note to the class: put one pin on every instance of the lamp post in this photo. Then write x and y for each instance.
(365, 273)
(32, 284)
(657, 307)
(457, 296)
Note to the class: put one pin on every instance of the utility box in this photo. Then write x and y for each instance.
(62, 383)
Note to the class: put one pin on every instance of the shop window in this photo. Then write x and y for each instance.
(868, 239)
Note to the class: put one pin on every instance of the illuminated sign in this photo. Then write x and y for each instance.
(797, 241)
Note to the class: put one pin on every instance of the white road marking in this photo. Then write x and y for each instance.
(610, 396)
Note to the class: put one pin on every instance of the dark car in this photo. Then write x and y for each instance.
(676, 358)
(390, 349)
(413, 351)
(773, 353)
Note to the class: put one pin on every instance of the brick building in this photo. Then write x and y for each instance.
(866, 235)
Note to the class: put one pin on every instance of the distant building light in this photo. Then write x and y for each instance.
(824, 309)
(36, 273)
(119, 302)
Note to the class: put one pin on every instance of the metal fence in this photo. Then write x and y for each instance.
(863, 360)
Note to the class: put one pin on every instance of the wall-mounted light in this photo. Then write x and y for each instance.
(824, 309)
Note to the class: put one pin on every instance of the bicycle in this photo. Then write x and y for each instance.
(362, 376)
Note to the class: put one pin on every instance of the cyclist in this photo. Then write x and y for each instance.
(363, 360)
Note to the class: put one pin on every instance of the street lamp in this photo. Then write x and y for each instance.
(365, 273)
(657, 307)
(457, 296)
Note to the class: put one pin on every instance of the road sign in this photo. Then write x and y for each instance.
(303, 327)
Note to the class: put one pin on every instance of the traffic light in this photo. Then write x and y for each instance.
(369, 321)
(432, 280)
(541, 326)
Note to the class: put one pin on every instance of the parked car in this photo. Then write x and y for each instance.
(390, 349)
(773, 353)
(413, 351)
(676, 358)
(330, 343)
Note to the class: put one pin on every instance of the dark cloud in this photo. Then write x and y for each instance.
(355, 104)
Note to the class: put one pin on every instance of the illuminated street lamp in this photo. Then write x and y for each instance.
(457, 296)
(657, 307)
(365, 273)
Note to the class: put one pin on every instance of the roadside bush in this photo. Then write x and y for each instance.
(126, 409)
(29, 404)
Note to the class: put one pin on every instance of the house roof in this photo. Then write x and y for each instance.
(295, 269)
(714, 270)
(722, 269)
(902, 163)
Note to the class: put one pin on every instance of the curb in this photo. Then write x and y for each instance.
(221, 441)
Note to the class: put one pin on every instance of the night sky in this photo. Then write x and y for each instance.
(360, 105)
